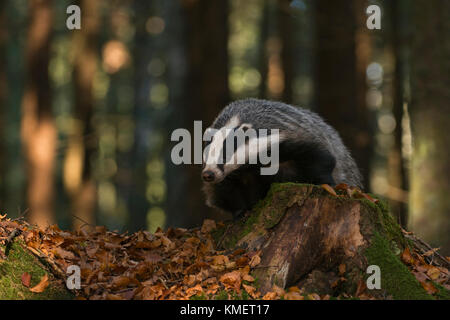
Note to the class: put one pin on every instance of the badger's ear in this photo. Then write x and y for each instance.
(207, 139)
(208, 135)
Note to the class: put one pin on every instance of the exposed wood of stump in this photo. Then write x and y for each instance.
(305, 234)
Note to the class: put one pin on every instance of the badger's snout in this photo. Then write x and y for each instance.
(208, 176)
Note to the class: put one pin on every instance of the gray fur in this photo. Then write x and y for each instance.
(297, 124)
(313, 152)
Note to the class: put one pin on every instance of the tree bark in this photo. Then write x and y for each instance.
(38, 130)
(305, 235)
(430, 77)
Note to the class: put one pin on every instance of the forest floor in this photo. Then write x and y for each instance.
(175, 264)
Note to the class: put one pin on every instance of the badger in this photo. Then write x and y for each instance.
(309, 151)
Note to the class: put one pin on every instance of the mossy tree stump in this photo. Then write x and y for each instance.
(307, 235)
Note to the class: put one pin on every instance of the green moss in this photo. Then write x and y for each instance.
(443, 293)
(230, 241)
(198, 297)
(11, 270)
(249, 225)
(222, 295)
(243, 296)
(396, 279)
(217, 234)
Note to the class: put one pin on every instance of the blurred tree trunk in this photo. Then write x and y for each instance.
(285, 32)
(263, 54)
(3, 90)
(342, 56)
(38, 129)
(137, 158)
(430, 121)
(78, 170)
(206, 84)
(177, 60)
(396, 167)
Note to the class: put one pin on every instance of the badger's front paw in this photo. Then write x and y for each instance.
(238, 214)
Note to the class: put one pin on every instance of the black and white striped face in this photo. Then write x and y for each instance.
(230, 147)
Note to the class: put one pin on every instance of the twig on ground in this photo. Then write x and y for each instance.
(10, 239)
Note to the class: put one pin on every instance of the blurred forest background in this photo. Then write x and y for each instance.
(86, 115)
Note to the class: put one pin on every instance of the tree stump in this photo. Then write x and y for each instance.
(323, 243)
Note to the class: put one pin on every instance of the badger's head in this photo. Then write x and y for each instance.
(232, 146)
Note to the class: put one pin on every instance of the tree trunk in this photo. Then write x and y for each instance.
(285, 31)
(305, 236)
(430, 180)
(207, 83)
(397, 173)
(263, 54)
(342, 56)
(78, 171)
(38, 129)
(3, 90)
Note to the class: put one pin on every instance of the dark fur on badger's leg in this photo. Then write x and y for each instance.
(305, 163)
(241, 190)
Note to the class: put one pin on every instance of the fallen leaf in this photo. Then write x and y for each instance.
(194, 290)
(430, 252)
(111, 296)
(248, 278)
(420, 276)
(342, 269)
(254, 261)
(269, 296)
(242, 261)
(26, 279)
(329, 189)
(279, 291)
(40, 287)
(361, 287)
(120, 282)
(366, 196)
(429, 287)
(434, 273)
(313, 296)
(232, 280)
(220, 260)
(341, 186)
(293, 295)
(407, 257)
(250, 290)
(208, 225)
(64, 254)
(152, 257)
(294, 289)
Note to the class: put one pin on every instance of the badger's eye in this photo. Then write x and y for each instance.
(245, 127)
(206, 143)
